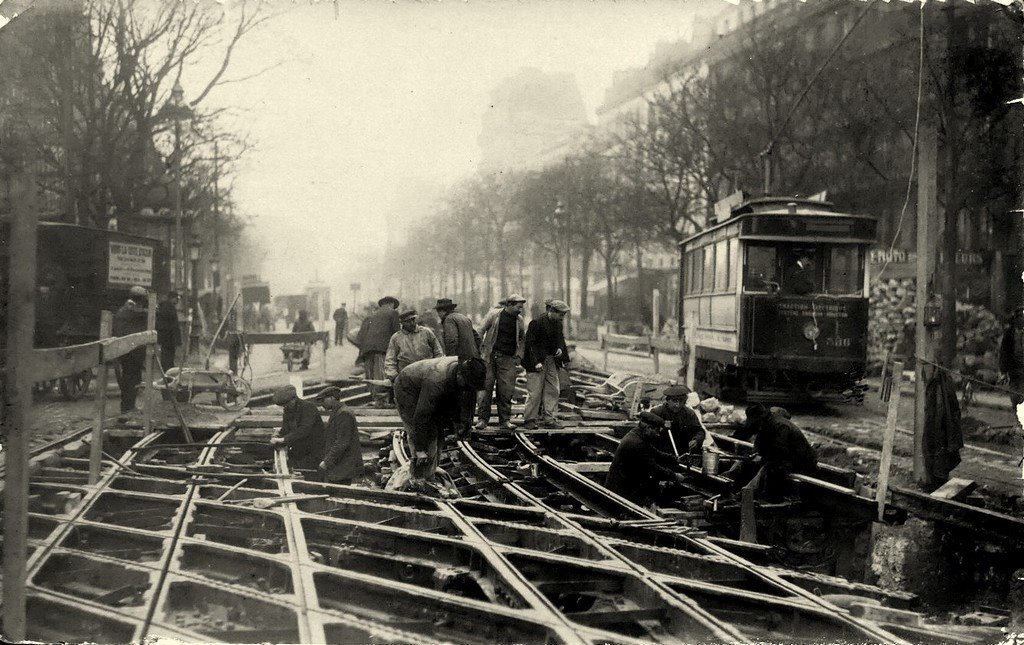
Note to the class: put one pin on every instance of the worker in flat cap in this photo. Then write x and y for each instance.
(435, 397)
(639, 467)
(503, 331)
(302, 430)
(413, 342)
(342, 460)
(375, 333)
(685, 432)
(130, 318)
(780, 448)
(544, 352)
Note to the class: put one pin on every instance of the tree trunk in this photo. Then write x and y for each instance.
(950, 237)
(609, 289)
(558, 269)
(584, 284)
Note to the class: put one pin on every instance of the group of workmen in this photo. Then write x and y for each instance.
(654, 456)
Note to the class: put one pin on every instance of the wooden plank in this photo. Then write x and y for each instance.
(147, 374)
(57, 362)
(955, 489)
(119, 346)
(888, 439)
(588, 466)
(924, 337)
(18, 400)
(96, 445)
(275, 338)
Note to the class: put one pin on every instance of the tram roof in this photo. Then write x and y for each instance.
(781, 206)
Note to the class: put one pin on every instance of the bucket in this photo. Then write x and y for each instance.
(709, 466)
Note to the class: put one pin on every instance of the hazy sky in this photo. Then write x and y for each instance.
(373, 94)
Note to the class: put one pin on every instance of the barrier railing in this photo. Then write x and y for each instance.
(640, 346)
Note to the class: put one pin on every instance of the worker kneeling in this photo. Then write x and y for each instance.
(780, 449)
(435, 396)
(639, 467)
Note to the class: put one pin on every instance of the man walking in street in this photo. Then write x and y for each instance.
(131, 319)
(374, 336)
(168, 331)
(501, 351)
(458, 336)
(340, 324)
(302, 430)
(543, 354)
(409, 344)
(433, 397)
(342, 459)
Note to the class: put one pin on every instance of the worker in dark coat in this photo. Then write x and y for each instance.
(686, 433)
(544, 352)
(457, 334)
(168, 331)
(780, 448)
(340, 324)
(304, 324)
(131, 319)
(375, 334)
(435, 396)
(638, 466)
(1011, 357)
(342, 459)
(302, 430)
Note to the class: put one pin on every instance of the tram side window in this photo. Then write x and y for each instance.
(731, 262)
(692, 272)
(760, 267)
(844, 273)
(708, 284)
(722, 265)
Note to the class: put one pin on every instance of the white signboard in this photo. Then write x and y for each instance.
(130, 264)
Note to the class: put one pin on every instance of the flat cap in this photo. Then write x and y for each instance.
(676, 392)
(284, 395)
(407, 314)
(332, 391)
(138, 291)
(649, 418)
(559, 306)
(514, 298)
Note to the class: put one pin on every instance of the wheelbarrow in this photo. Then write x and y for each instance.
(229, 390)
(295, 353)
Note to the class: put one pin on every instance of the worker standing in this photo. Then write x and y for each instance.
(168, 331)
(340, 324)
(411, 343)
(375, 334)
(130, 318)
(457, 334)
(544, 351)
(501, 350)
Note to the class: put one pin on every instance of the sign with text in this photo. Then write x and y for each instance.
(129, 264)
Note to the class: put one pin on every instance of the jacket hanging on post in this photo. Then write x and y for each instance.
(943, 434)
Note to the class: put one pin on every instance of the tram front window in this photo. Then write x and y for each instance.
(801, 273)
(845, 271)
(760, 273)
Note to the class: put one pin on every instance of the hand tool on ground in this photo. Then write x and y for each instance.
(231, 490)
(177, 410)
(269, 502)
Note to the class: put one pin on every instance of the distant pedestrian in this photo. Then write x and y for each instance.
(434, 397)
(458, 336)
(302, 429)
(340, 324)
(302, 325)
(409, 344)
(342, 459)
(168, 330)
(374, 336)
(501, 350)
(1011, 357)
(131, 319)
(544, 353)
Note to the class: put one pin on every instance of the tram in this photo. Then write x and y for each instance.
(774, 301)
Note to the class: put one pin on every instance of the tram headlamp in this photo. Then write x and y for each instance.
(811, 331)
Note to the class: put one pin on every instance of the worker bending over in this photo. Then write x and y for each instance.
(639, 466)
(302, 430)
(780, 449)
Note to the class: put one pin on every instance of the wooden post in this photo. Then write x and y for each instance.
(889, 438)
(924, 345)
(20, 331)
(96, 446)
(604, 347)
(147, 374)
(654, 355)
(656, 312)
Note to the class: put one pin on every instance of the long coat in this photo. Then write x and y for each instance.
(303, 433)
(459, 337)
(342, 455)
(376, 331)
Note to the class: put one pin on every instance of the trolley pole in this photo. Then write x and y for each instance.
(924, 340)
(21, 324)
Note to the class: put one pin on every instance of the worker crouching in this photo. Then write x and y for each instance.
(780, 449)
(302, 430)
(639, 467)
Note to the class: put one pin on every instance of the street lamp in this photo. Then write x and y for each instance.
(560, 210)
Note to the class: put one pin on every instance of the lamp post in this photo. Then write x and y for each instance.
(560, 210)
(177, 97)
(193, 255)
